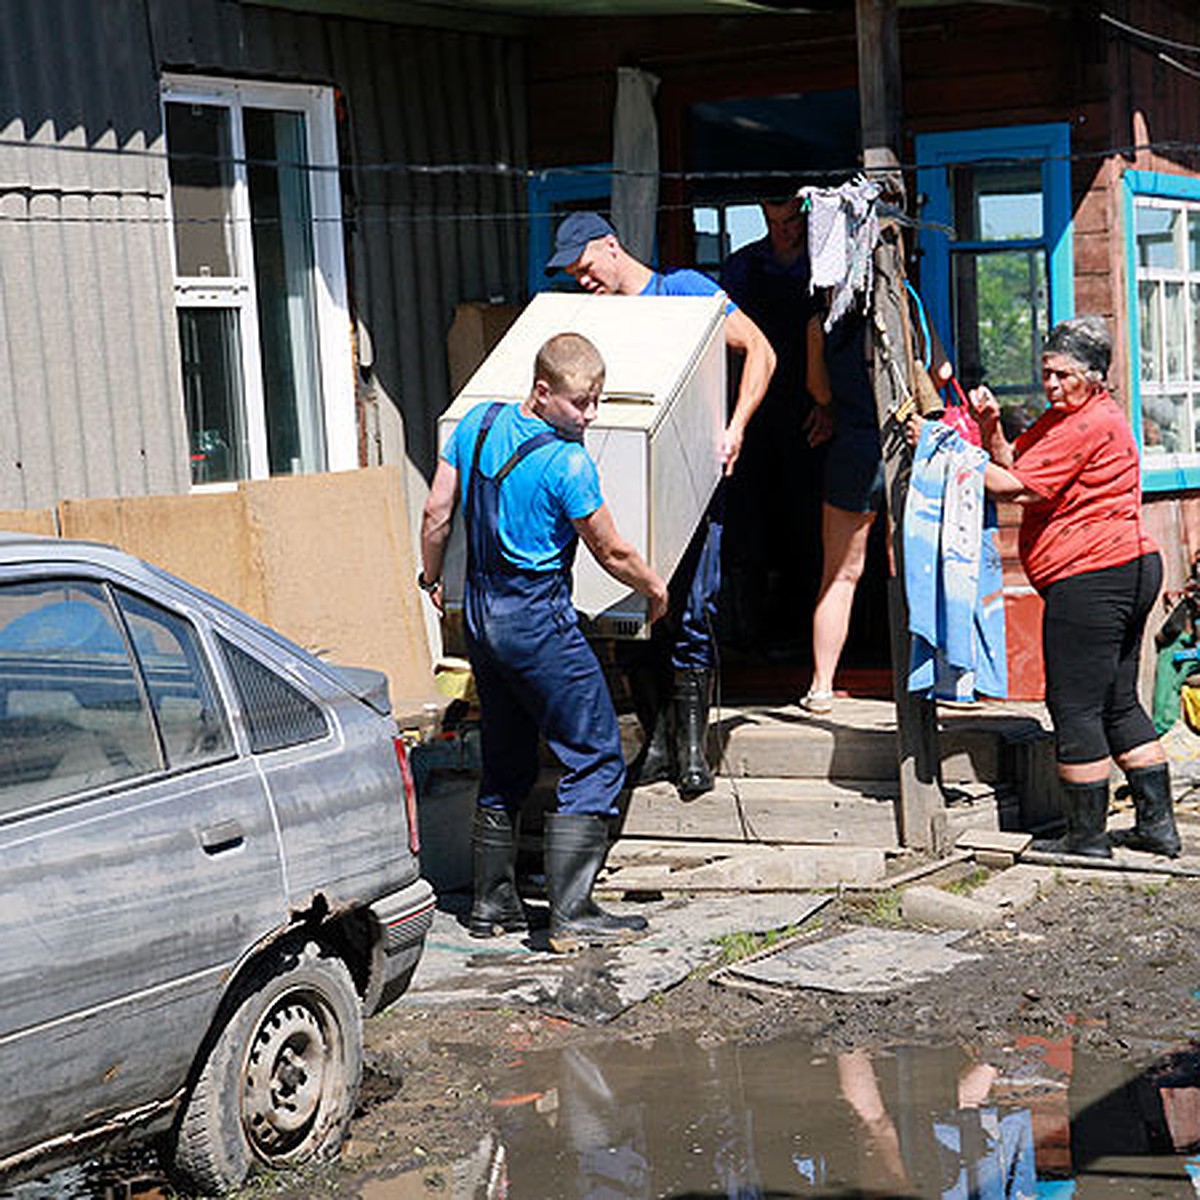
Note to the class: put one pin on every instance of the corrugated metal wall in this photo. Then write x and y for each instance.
(90, 401)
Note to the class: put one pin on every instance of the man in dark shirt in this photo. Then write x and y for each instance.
(774, 565)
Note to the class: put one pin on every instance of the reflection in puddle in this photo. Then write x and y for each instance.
(673, 1119)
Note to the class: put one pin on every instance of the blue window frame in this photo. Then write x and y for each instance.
(1162, 248)
(551, 195)
(997, 258)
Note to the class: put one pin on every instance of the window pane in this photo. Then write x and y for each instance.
(746, 224)
(1195, 294)
(284, 272)
(201, 172)
(1154, 229)
(1194, 240)
(1165, 423)
(1149, 322)
(1173, 331)
(276, 714)
(190, 718)
(210, 351)
(1000, 304)
(71, 713)
(997, 203)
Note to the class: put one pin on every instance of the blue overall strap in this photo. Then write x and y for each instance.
(489, 419)
(526, 447)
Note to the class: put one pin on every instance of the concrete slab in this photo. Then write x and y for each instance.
(1015, 888)
(924, 905)
(597, 985)
(867, 960)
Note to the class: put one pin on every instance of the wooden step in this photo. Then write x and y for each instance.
(859, 813)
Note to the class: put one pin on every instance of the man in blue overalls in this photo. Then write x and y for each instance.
(587, 247)
(529, 491)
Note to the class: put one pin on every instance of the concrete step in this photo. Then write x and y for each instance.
(850, 812)
(858, 741)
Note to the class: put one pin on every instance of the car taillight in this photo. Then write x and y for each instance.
(410, 796)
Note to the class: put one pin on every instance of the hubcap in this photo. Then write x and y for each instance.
(292, 1056)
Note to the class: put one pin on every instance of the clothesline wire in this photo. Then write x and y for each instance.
(504, 170)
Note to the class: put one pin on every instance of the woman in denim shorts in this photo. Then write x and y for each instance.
(839, 382)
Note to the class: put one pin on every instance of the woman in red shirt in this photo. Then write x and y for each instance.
(1075, 472)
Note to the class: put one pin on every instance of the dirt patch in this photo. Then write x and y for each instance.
(1114, 965)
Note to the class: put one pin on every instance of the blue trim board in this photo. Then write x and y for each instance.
(1051, 143)
(543, 192)
(1170, 187)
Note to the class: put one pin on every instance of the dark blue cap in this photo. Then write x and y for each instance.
(573, 235)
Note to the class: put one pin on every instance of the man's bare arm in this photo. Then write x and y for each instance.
(619, 558)
(435, 524)
(742, 334)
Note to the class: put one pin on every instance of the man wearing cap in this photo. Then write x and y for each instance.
(587, 247)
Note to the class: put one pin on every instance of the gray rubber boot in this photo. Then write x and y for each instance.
(1154, 827)
(497, 908)
(692, 696)
(576, 845)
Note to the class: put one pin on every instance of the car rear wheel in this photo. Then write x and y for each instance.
(281, 1080)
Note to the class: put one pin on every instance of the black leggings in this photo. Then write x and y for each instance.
(1092, 643)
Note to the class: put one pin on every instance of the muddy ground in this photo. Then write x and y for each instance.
(1116, 964)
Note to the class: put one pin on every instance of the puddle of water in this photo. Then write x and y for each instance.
(674, 1119)
(671, 1118)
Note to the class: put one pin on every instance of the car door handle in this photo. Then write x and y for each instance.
(224, 835)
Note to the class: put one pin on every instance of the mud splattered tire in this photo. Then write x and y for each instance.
(280, 1081)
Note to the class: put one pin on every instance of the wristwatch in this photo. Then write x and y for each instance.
(427, 585)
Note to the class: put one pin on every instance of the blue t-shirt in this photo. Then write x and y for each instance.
(684, 283)
(548, 489)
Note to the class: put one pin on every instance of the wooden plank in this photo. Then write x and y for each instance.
(754, 869)
(769, 810)
(994, 839)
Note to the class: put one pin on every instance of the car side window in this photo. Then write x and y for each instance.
(72, 715)
(276, 713)
(193, 726)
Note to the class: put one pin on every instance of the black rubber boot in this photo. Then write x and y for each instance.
(497, 908)
(692, 690)
(576, 845)
(1087, 814)
(1154, 828)
(656, 760)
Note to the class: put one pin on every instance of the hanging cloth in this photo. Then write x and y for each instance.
(843, 229)
(953, 578)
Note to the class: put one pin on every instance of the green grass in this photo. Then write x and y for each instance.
(736, 946)
(968, 883)
(884, 909)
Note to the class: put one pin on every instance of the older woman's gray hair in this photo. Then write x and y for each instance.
(1086, 340)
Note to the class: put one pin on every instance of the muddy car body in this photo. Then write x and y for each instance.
(208, 864)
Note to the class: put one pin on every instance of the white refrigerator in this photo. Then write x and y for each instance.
(656, 441)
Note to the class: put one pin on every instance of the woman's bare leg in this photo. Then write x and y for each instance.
(844, 543)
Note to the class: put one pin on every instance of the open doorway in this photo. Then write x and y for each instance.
(738, 152)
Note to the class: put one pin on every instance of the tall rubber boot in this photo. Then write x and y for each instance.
(651, 699)
(576, 845)
(497, 908)
(1154, 827)
(692, 692)
(1087, 815)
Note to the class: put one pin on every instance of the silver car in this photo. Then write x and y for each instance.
(208, 873)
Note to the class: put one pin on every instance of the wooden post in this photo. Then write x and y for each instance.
(921, 802)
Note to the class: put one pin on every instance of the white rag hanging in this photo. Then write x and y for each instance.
(843, 227)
